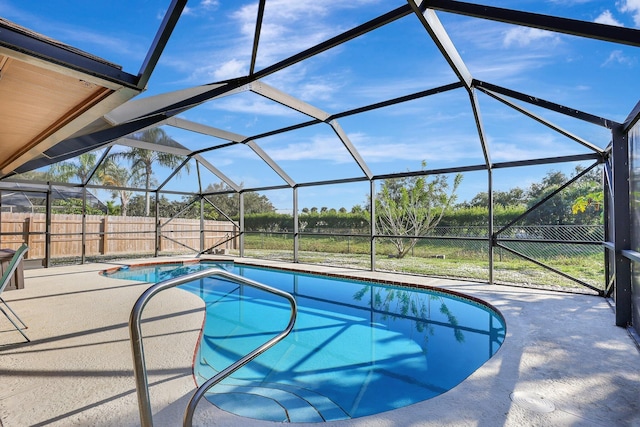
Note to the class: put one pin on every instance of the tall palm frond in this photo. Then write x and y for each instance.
(142, 160)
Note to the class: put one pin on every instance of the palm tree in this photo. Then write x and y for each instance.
(119, 176)
(65, 171)
(143, 160)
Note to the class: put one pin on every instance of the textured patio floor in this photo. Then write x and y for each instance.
(563, 363)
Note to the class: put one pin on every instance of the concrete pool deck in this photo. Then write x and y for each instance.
(563, 363)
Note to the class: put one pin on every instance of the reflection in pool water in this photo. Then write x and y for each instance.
(358, 348)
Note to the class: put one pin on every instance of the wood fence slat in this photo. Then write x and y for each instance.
(106, 235)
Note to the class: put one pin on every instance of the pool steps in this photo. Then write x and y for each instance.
(268, 400)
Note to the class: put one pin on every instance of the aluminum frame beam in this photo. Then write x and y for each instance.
(144, 145)
(160, 41)
(557, 24)
(233, 137)
(256, 36)
(205, 130)
(353, 33)
(351, 148)
(287, 100)
(137, 108)
(269, 161)
(571, 112)
(545, 122)
(484, 144)
(632, 118)
(398, 100)
(217, 172)
(621, 228)
(434, 27)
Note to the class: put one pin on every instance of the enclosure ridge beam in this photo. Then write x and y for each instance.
(350, 148)
(287, 100)
(550, 160)
(182, 123)
(217, 147)
(398, 100)
(267, 188)
(204, 162)
(73, 147)
(426, 172)
(205, 129)
(286, 129)
(217, 90)
(545, 122)
(434, 27)
(610, 33)
(256, 36)
(484, 144)
(269, 161)
(138, 108)
(160, 41)
(332, 182)
(571, 112)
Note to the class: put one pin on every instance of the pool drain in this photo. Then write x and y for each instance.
(532, 402)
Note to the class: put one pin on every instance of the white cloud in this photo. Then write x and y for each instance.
(289, 26)
(632, 7)
(376, 149)
(204, 6)
(524, 36)
(316, 90)
(618, 57)
(506, 68)
(295, 80)
(228, 70)
(607, 18)
(330, 149)
(529, 146)
(210, 4)
(497, 52)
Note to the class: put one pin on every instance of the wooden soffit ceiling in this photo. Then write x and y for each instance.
(44, 98)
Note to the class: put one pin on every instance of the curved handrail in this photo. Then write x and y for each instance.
(135, 332)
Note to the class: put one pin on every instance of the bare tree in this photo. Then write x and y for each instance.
(409, 207)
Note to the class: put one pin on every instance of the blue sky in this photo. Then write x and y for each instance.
(213, 40)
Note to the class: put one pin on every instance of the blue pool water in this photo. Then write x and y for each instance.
(358, 348)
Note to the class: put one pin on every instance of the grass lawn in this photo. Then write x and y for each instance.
(463, 259)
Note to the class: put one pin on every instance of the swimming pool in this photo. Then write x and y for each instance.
(358, 348)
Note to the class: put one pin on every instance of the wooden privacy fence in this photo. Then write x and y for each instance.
(110, 235)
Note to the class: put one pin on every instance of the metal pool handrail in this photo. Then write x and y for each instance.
(135, 332)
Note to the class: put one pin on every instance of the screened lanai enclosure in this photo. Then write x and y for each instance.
(425, 137)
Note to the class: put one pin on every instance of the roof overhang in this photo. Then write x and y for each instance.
(50, 91)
